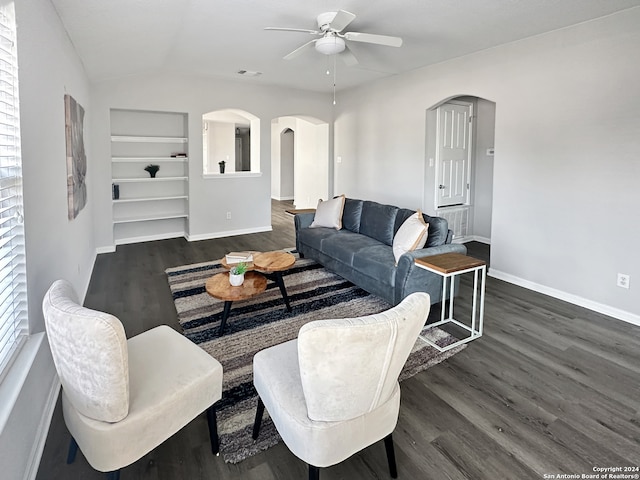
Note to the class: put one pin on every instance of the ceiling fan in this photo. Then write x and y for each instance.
(332, 41)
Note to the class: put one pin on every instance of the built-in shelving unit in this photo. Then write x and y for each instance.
(149, 208)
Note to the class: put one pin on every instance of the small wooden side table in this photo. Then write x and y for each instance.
(450, 265)
(272, 264)
(296, 211)
(219, 287)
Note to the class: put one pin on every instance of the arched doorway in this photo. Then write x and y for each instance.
(299, 160)
(461, 193)
(287, 165)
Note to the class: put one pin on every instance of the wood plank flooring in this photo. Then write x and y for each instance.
(550, 388)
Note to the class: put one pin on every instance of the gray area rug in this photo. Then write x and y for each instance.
(263, 321)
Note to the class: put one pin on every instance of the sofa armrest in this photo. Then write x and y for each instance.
(429, 252)
(411, 278)
(449, 236)
(303, 220)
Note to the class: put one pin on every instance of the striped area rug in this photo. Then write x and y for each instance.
(263, 321)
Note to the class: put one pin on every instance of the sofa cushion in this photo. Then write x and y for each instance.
(401, 217)
(313, 237)
(329, 213)
(378, 221)
(438, 227)
(410, 236)
(376, 261)
(438, 230)
(351, 215)
(345, 245)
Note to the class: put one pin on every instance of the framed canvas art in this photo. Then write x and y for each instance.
(76, 157)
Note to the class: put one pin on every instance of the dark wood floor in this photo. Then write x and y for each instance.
(550, 388)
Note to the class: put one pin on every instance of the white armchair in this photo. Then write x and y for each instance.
(334, 390)
(120, 398)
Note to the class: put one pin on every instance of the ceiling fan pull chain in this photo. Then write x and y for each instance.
(334, 79)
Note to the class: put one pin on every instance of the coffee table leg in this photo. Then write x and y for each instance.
(283, 290)
(225, 315)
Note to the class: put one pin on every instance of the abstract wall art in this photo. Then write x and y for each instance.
(76, 156)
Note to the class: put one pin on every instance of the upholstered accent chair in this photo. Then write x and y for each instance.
(334, 390)
(122, 398)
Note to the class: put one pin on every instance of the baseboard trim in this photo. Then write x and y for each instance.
(149, 238)
(228, 233)
(477, 238)
(109, 249)
(281, 199)
(567, 297)
(472, 238)
(43, 430)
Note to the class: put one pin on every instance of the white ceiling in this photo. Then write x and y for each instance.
(116, 38)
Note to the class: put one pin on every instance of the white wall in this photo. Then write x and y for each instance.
(565, 192)
(56, 247)
(245, 196)
(311, 173)
(287, 155)
(485, 112)
(222, 146)
(48, 69)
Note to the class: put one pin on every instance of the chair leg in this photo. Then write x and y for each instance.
(258, 420)
(314, 473)
(391, 456)
(213, 430)
(73, 450)
(115, 475)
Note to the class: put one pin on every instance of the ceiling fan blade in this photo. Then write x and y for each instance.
(341, 20)
(348, 57)
(300, 50)
(285, 29)
(373, 38)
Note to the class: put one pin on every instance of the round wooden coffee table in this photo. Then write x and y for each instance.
(272, 264)
(219, 287)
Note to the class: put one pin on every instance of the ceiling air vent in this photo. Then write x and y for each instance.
(249, 73)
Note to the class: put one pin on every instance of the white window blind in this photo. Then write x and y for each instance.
(13, 288)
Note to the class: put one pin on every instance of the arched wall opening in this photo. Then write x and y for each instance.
(287, 164)
(299, 160)
(230, 142)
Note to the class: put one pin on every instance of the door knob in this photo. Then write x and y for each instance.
(441, 187)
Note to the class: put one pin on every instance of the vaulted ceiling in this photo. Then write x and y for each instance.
(218, 38)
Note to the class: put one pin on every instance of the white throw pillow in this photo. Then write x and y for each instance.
(329, 213)
(411, 235)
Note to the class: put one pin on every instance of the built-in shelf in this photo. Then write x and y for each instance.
(149, 208)
(149, 159)
(147, 139)
(150, 199)
(155, 179)
(149, 218)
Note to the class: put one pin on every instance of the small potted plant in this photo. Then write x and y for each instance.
(236, 274)
(152, 169)
(221, 165)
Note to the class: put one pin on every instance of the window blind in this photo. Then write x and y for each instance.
(13, 288)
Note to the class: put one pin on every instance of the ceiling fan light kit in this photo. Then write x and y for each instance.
(332, 41)
(330, 45)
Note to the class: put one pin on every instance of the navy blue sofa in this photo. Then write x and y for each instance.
(362, 250)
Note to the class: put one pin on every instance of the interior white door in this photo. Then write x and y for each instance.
(453, 153)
